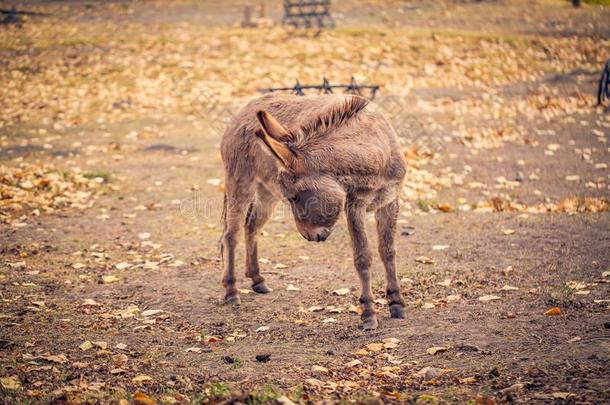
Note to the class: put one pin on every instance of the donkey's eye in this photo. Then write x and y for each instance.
(293, 199)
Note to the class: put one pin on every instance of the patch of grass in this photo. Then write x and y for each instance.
(425, 205)
(218, 389)
(267, 394)
(95, 175)
(237, 363)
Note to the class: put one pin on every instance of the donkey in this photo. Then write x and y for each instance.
(324, 155)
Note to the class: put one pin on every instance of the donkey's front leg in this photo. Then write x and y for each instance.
(386, 230)
(259, 212)
(355, 212)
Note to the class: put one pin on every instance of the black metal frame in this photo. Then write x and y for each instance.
(303, 13)
(12, 15)
(603, 91)
(327, 88)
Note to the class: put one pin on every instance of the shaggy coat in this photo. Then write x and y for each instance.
(324, 155)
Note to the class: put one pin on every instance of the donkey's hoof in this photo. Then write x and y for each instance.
(233, 300)
(370, 323)
(260, 288)
(397, 311)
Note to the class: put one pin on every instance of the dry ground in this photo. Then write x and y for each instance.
(110, 291)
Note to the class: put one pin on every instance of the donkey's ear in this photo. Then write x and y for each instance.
(274, 136)
(271, 126)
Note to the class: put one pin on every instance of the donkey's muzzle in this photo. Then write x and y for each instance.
(318, 234)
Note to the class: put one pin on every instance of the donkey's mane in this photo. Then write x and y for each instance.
(336, 116)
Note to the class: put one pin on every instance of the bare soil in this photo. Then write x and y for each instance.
(194, 349)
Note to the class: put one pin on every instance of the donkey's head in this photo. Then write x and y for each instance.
(316, 198)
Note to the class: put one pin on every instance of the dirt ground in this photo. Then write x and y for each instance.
(110, 291)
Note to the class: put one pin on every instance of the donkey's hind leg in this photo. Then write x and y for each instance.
(386, 230)
(258, 214)
(237, 197)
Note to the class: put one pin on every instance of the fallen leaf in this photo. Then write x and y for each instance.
(86, 345)
(509, 288)
(508, 231)
(89, 302)
(144, 235)
(262, 329)
(353, 363)
(428, 373)
(122, 266)
(319, 369)
(424, 260)
(193, 350)
(563, 395)
(152, 312)
(56, 358)
(488, 298)
(10, 383)
(575, 339)
(100, 344)
(374, 347)
(440, 247)
(436, 349)
(329, 320)
(445, 283)
(341, 291)
(284, 400)
(553, 311)
(291, 287)
(140, 398)
(141, 378)
(109, 279)
(582, 292)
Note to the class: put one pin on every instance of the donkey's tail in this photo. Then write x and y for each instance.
(223, 218)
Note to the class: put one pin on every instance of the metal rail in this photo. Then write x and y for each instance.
(368, 91)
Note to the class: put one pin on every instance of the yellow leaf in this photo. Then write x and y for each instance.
(361, 352)
(436, 349)
(10, 383)
(424, 260)
(375, 347)
(319, 369)
(141, 378)
(109, 279)
(353, 363)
